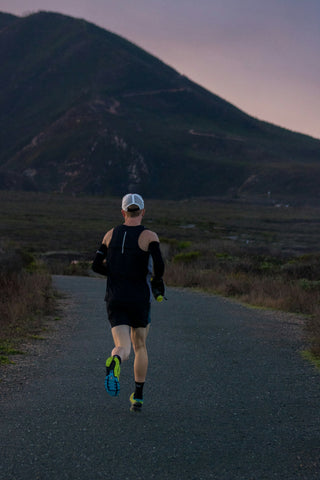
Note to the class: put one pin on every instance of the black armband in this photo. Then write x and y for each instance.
(158, 263)
(102, 250)
(98, 265)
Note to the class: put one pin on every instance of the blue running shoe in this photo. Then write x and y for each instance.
(111, 383)
(136, 404)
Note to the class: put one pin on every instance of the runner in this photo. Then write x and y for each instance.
(129, 256)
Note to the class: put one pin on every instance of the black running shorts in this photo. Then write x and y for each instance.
(133, 314)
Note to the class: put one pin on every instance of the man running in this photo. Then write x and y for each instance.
(133, 256)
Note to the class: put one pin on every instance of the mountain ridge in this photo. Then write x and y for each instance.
(86, 111)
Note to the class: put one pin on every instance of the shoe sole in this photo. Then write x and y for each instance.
(111, 383)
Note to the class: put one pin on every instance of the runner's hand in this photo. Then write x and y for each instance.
(157, 287)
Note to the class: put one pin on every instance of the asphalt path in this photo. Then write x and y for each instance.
(228, 396)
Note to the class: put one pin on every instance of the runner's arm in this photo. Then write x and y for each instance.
(157, 283)
(158, 263)
(98, 265)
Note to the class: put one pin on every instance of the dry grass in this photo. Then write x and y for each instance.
(23, 297)
(25, 300)
(272, 291)
(313, 327)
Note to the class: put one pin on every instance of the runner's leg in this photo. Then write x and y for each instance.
(139, 338)
(121, 351)
(122, 341)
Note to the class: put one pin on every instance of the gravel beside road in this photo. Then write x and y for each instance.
(228, 396)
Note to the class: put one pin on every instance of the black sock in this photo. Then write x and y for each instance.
(138, 394)
(119, 358)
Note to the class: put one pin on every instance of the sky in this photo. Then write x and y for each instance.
(260, 55)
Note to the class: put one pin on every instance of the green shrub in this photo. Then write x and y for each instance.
(309, 285)
(183, 245)
(186, 257)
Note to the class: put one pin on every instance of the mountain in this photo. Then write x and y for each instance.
(85, 111)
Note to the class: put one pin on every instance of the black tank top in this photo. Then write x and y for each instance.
(129, 267)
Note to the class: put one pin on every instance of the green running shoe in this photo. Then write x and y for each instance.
(111, 383)
(136, 404)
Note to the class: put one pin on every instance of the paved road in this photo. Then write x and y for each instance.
(228, 397)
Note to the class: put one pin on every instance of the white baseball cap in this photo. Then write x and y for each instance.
(130, 200)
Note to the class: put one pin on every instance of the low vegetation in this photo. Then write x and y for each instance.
(26, 297)
(263, 253)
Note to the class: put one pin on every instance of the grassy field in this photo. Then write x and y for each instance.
(261, 252)
(52, 222)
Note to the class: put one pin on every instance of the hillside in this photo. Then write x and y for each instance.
(84, 110)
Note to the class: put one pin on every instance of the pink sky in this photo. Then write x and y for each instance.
(260, 55)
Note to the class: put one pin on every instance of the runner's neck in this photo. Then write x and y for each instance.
(133, 222)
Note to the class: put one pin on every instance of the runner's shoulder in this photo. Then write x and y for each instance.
(107, 238)
(147, 237)
(150, 236)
